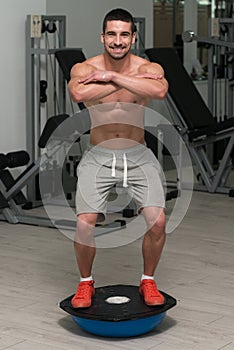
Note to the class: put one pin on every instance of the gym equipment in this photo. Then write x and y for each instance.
(188, 36)
(199, 127)
(67, 58)
(3, 161)
(12, 198)
(118, 311)
(46, 92)
(14, 159)
(219, 66)
(139, 45)
(155, 138)
(43, 36)
(11, 160)
(43, 87)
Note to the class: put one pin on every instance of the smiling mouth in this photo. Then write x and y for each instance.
(117, 50)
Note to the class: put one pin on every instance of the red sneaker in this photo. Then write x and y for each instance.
(152, 297)
(84, 294)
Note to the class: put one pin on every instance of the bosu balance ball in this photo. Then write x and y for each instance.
(118, 311)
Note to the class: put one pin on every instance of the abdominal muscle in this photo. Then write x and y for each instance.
(117, 124)
(117, 136)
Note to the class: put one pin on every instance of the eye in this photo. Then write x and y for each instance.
(110, 34)
(126, 35)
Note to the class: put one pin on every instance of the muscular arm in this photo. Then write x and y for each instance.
(88, 83)
(152, 83)
(80, 91)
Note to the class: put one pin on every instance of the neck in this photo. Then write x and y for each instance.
(117, 65)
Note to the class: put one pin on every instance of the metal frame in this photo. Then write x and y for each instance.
(35, 54)
(228, 45)
(213, 181)
(212, 43)
(14, 213)
(139, 47)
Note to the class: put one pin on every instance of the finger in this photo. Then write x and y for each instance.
(82, 80)
(86, 78)
(88, 81)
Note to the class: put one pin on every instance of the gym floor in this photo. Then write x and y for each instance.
(38, 270)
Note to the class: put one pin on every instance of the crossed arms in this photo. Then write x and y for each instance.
(90, 84)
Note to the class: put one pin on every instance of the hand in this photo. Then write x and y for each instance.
(101, 76)
(150, 76)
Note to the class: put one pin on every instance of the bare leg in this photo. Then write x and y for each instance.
(154, 238)
(84, 243)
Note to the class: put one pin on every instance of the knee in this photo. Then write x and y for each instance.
(86, 221)
(85, 229)
(157, 224)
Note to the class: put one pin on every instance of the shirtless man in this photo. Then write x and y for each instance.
(110, 79)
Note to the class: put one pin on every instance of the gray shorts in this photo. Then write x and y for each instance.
(100, 169)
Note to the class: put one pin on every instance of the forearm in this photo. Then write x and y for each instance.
(153, 88)
(91, 92)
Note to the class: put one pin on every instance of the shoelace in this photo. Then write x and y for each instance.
(83, 290)
(151, 289)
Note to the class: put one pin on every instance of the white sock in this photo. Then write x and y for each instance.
(86, 279)
(146, 277)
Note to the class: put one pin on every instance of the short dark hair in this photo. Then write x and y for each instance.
(119, 15)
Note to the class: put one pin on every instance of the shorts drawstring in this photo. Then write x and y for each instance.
(113, 165)
(125, 171)
(125, 177)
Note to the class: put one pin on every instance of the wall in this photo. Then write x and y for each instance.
(12, 70)
(84, 19)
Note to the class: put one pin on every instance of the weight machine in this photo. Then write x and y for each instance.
(139, 46)
(199, 128)
(12, 200)
(220, 67)
(46, 92)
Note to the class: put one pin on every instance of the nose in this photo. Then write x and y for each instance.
(117, 40)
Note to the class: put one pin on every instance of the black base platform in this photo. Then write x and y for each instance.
(118, 311)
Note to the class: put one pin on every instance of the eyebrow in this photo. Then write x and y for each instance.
(113, 32)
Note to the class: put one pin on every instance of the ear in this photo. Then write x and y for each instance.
(133, 38)
(102, 38)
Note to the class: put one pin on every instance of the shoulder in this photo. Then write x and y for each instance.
(149, 67)
(87, 66)
(145, 66)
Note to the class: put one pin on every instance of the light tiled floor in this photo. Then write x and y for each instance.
(197, 267)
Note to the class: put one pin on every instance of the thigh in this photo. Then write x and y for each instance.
(93, 186)
(146, 185)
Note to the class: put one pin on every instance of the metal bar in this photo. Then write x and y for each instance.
(8, 215)
(30, 173)
(34, 53)
(223, 164)
(189, 36)
(199, 164)
(206, 162)
(217, 137)
(61, 79)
